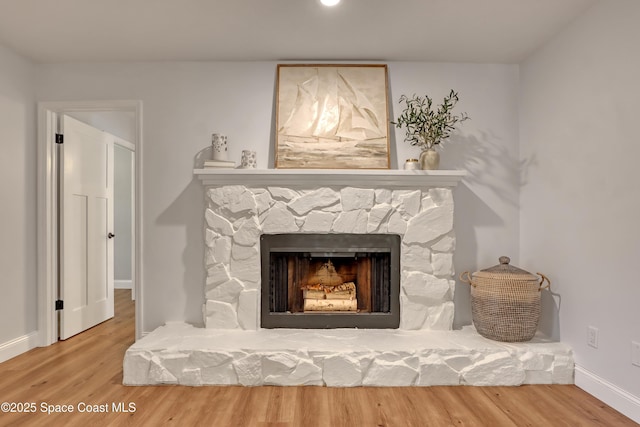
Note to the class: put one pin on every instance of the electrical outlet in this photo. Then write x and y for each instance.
(635, 353)
(592, 336)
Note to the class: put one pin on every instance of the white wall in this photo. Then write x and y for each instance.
(185, 102)
(119, 123)
(580, 201)
(18, 204)
(123, 213)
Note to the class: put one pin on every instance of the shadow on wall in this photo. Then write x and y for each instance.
(550, 314)
(470, 211)
(494, 177)
(489, 165)
(187, 211)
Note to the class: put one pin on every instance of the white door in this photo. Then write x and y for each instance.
(86, 224)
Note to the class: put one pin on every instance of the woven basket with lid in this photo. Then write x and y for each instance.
(505, 301)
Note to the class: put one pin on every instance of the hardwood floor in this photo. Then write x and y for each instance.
(86, 370)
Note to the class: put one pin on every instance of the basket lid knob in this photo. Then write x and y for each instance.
(504, 260)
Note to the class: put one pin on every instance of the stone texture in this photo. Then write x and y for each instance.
(279, 220)
(408, 203)
(234, 198)
(227, 291)
(412, 314)
(314, 200)
(283, 194)
(383, 196)
(208, 358)
(263, 201)
(209, 259)
(249, 369)
(182, 354)
(494, 369)
(210, 237)
(239, 253)
(248, 233)
(218, 223)
(441, 196)
(351, 222)
(246, 269)
(223, 375)
(535, 362)
(425, 287)
(290, 369)
(440, 317)
(539, 377)
(397, 225)
(427, 202)
(234, 228)
(445, 244)
(563, 369)
(220, 315)
(135, 368)
(356, 198)
(384, 374)
(458, 361)
(248, 309)
(425, 351)
(429, 225)
(318, 222)
(378, 216)
(216, 275)
(416, 258)
(278, 364)
(435, 371)
(174, 362)
(442, 264)
(222, 250)
(342, 371)
(158, 374)
(191, 377)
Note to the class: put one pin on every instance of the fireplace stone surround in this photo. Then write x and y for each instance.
(232, 348)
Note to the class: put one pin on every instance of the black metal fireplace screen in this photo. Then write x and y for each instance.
(324, 281)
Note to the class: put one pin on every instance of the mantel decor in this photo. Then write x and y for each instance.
(332, 117)
(427, 126)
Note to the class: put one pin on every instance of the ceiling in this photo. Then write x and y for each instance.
(489, 31)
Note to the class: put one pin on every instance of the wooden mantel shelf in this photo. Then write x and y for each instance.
(389, 178)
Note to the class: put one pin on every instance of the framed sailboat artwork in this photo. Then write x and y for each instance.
(332, 117)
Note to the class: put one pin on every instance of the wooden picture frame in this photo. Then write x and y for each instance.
(332, 116)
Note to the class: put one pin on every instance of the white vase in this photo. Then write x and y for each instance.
(248, 159)
(219, 146)
(430, 159)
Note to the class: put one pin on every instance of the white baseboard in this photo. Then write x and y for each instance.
(17, 346)
(122, 284)
(619, 399)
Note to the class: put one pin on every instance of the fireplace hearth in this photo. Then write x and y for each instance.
(330, 281)
(235, 347)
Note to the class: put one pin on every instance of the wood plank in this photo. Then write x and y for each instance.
(363, 285)
(88, 368)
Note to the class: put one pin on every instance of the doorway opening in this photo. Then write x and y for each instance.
(123, 120)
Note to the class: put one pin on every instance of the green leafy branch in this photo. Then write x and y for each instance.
(426, 125)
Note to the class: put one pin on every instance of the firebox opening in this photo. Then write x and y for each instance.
(330, 280)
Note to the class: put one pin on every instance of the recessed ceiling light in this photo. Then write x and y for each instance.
(329, 2)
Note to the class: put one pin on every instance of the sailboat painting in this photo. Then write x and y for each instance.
(332, 117)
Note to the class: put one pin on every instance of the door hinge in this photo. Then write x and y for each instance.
(59, 138)
(59, 305)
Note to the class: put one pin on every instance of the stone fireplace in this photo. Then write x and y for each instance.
(326, 283)
(417, 210)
